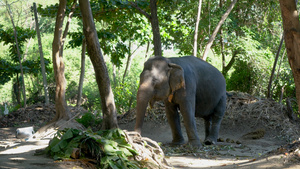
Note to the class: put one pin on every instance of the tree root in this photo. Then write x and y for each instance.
(149, 151)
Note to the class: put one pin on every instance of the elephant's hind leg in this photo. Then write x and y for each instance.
(212, 136)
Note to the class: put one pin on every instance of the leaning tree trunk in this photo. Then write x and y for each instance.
(196, 29)
(102, 78)
(214, 34)
(291, 27)
(18, 52)
(41, 56)
(81, 73)
(269, 94)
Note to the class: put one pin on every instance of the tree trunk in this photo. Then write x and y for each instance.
(222, 45)
(214, 34)
(18, 52)
(102, 78)
(62, 117)
(58, 63)
(226, 68)
(196, 29)
(291, 27)
(274, 67)
(41, 55)
(155, 29)
(81, 72)
(154, 24)
(114, 71)
(147, 50)
(129, 60)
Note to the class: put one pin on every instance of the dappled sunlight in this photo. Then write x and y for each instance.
(196, 162)
(23, 147)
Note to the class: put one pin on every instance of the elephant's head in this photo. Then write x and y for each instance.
(158, 81)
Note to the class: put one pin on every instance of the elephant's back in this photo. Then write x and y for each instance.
(210, 83)
(201, 70)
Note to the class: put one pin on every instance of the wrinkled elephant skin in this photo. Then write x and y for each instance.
(188, 84)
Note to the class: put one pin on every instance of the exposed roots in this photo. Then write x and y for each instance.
(149, 151)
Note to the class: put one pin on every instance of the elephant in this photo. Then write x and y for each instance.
(186, 84)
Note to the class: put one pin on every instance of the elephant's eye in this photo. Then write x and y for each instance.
(154, 80)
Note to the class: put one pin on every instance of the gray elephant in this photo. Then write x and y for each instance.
(188, 84)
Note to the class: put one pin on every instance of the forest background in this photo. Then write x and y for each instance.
(244, 49)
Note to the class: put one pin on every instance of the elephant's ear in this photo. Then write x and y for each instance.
(176, 79)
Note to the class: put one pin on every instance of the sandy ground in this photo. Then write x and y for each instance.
(249, 154)
(245, 114)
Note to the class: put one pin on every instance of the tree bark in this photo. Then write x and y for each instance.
(102, 78)
(147, 50)
(41, 56)
(226, 68)
(128, 61)
(58, 65)
(154, 24)
(81, 73)
(155, 29)
(196, 29)
(214, 34)
(18, 52)
(291, 27)
(274, 67)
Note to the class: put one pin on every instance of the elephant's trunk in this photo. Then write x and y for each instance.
(144, 94)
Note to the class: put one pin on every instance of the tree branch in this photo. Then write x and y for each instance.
(230, 64)
(69, 21)
(140, 10)
(214, 34)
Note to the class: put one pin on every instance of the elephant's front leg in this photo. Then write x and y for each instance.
(174, 122)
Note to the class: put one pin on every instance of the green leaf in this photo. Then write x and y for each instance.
(68, 134)
(109, 149)
(125, 151)
(112, 165)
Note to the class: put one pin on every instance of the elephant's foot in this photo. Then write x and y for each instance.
(177, 142)
(209, 142)
(195, 143)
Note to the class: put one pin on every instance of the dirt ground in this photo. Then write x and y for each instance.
(255, 134)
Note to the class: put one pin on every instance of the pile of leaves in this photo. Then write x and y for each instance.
(106, 149)
(256, 111)
(35, 115)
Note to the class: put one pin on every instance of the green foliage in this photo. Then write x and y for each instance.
(7, 36)
(252, 67)
(90, 90)
(124, 95)
(108, 147)
(252, 30)
(243, 78)
(90, 120)
(283, 82)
